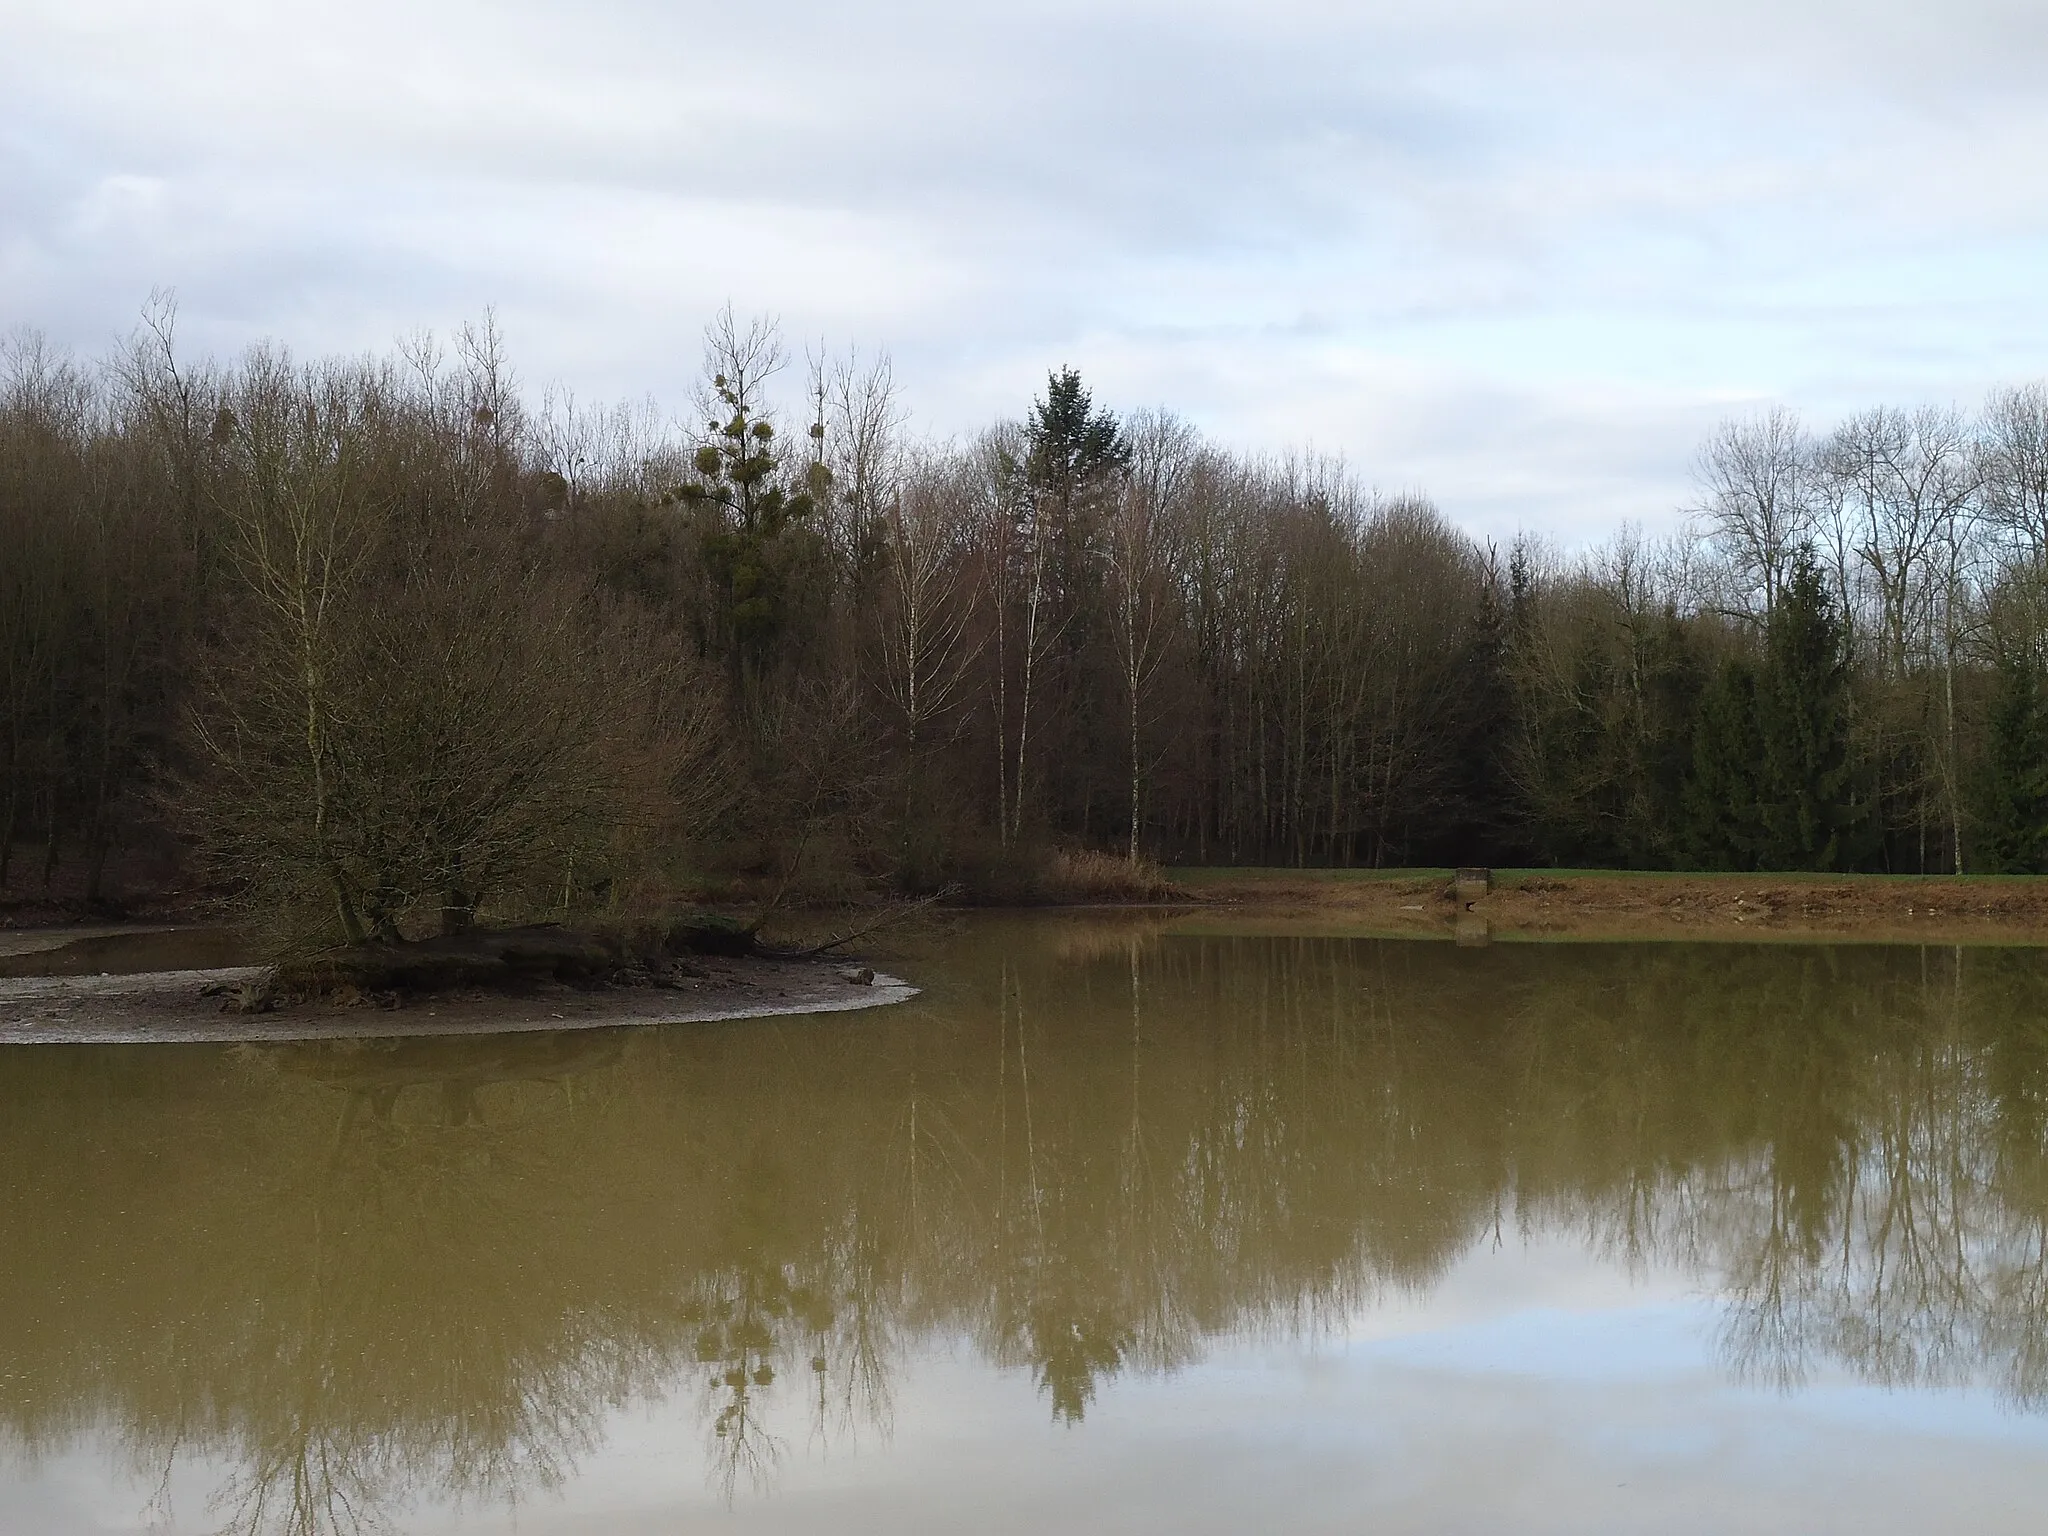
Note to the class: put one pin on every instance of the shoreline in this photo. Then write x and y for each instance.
(1599, 904)
(184, 1007)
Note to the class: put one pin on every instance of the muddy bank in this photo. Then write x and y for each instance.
(192, 1006)
(1541, 904)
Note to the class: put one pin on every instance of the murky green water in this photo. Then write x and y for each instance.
(111, 952)
(1114, 1229)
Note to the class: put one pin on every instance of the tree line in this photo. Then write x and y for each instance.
(382, 642)
(1838, 665)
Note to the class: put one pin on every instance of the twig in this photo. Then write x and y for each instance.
(789, 874)
(894, 914)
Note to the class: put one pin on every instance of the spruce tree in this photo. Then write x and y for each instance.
(1671, 682)
(1071, 441)
(2014, 798)
(1077, 453)
(1805, 799)
(1478, 815)
(1718, 807)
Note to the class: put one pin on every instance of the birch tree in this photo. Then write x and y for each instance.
(1143, 548)
(927, 646)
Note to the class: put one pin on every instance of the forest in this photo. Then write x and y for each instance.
(380, 643)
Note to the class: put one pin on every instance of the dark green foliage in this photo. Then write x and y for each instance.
(749, 505)
(1668, 680)
(1720, 801)
(1071, 441)
(1609, 751)
(1806, 788)
(1074, 461)
(2014, 793)
(1772, 784)
(1479, 796)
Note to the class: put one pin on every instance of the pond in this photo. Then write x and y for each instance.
(1123, 1225)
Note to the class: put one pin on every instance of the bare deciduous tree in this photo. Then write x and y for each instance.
(1757, 505)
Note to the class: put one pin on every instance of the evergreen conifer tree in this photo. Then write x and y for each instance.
(1719, 815)
(2014, 800)
(1669, 685)
(1481, 794)
(1805, 799)
(1076, 455)
(1071, 441)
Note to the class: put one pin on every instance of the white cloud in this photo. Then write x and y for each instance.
(1519, 253)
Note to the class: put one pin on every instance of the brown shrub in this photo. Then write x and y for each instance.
(1089, 876)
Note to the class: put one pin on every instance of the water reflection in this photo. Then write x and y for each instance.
(125, 952)
(372, 1275)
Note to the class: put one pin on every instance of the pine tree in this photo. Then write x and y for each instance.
(2014, 798)
(1805, 800)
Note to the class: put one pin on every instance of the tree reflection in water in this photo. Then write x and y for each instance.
(378, 1275)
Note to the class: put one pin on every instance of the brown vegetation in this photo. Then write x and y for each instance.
(378, 647)
(497, 958)
(1908, 909)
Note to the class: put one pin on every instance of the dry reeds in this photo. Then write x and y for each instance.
(1088, 876)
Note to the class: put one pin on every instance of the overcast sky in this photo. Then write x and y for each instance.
(1516, 253)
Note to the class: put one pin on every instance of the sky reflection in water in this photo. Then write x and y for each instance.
(1118, 1227)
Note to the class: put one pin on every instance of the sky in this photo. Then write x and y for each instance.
(1519, 255)
(1536, 1388)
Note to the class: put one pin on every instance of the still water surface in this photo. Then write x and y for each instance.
(1117, 1228)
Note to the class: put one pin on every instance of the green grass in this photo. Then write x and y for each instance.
(1751, 875)
(1212, 874)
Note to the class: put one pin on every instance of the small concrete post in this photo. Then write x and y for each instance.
(1468, 886)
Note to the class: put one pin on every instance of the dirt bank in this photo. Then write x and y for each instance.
(187, 1006)
(1595, 905)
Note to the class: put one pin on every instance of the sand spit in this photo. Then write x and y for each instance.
(189, 1007)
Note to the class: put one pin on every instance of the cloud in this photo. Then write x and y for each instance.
(1520, 254)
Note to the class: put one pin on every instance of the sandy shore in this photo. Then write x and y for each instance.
(186, 1006)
